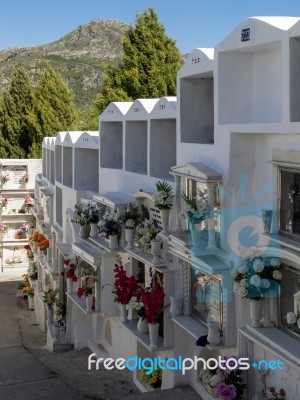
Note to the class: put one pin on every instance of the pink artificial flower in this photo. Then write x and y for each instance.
(226, 392)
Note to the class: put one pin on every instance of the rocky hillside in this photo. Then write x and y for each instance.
(80, 57)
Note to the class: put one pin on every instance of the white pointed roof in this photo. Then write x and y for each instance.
(60, 138)
(164, 108)
(199, 62)
(140, 109)
(295, 29)
(115, 111)
(258, 31)
(48, 142)
(82, 139)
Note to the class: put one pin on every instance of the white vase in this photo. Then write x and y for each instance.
(164, 216)
(123, 313)
(175, 308)
(84, 231)
(56, 333)
(142, 325)
(70, 285)
(267, 220)
(213, 335)
(196, 237)
(156, 251)
(94, 230)
(256, 313)
(89, 302)
(30, 302)
(153, 333)
(129, 236)
(50, 315)
(113, 242)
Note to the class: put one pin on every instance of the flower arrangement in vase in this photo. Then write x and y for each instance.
(87, 286)
(33, 271)
(70, 269)
(146, 231)
(151, 377)
(226, 383)
(24, 179)
(50, 297)
(272, 394)
(28, 202)
(85, 213)
(43, 243)
(163, 198)
(293, 321)
(253, 278)
(3, 228)
(110, 225)
(153, 301)
(4, 178)
(29, 291)
(30, 254)
(124, 286)
(197, 207)
(3, 202)
(131, 217)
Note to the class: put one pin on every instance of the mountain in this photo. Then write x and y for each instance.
(80, 57)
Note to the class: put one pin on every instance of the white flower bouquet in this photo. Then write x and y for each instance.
(253, 278)
(163, 198)
(145, 232)
(293, 321)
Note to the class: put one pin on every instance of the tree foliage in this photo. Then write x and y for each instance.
(16, 104)
(53, 109)
(149, 66)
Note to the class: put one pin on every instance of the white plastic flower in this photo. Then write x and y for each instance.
(291, 318)
(244, 282)
(258, 265)
(129, 223)
(255, 280)
(215, 380)
(206, 377)
(243, 269)
(242, 291)
(275, 262)
(265, 283)
(251, 253)
(236, 286)
(201, 204)
(234, 273)
(277, 275)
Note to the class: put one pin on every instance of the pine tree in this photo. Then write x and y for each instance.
(149, 66)
(53, 109)
(15, 106)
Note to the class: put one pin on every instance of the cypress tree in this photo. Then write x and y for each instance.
(53, 109)
(149, 66)
(15, 106)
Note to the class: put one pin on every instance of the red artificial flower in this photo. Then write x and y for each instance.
(70, 271)
(124, 286)
(80, 292)
(272, 389)
(153, 300)
(282, 392)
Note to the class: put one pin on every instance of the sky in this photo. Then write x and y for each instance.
(191, 23)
